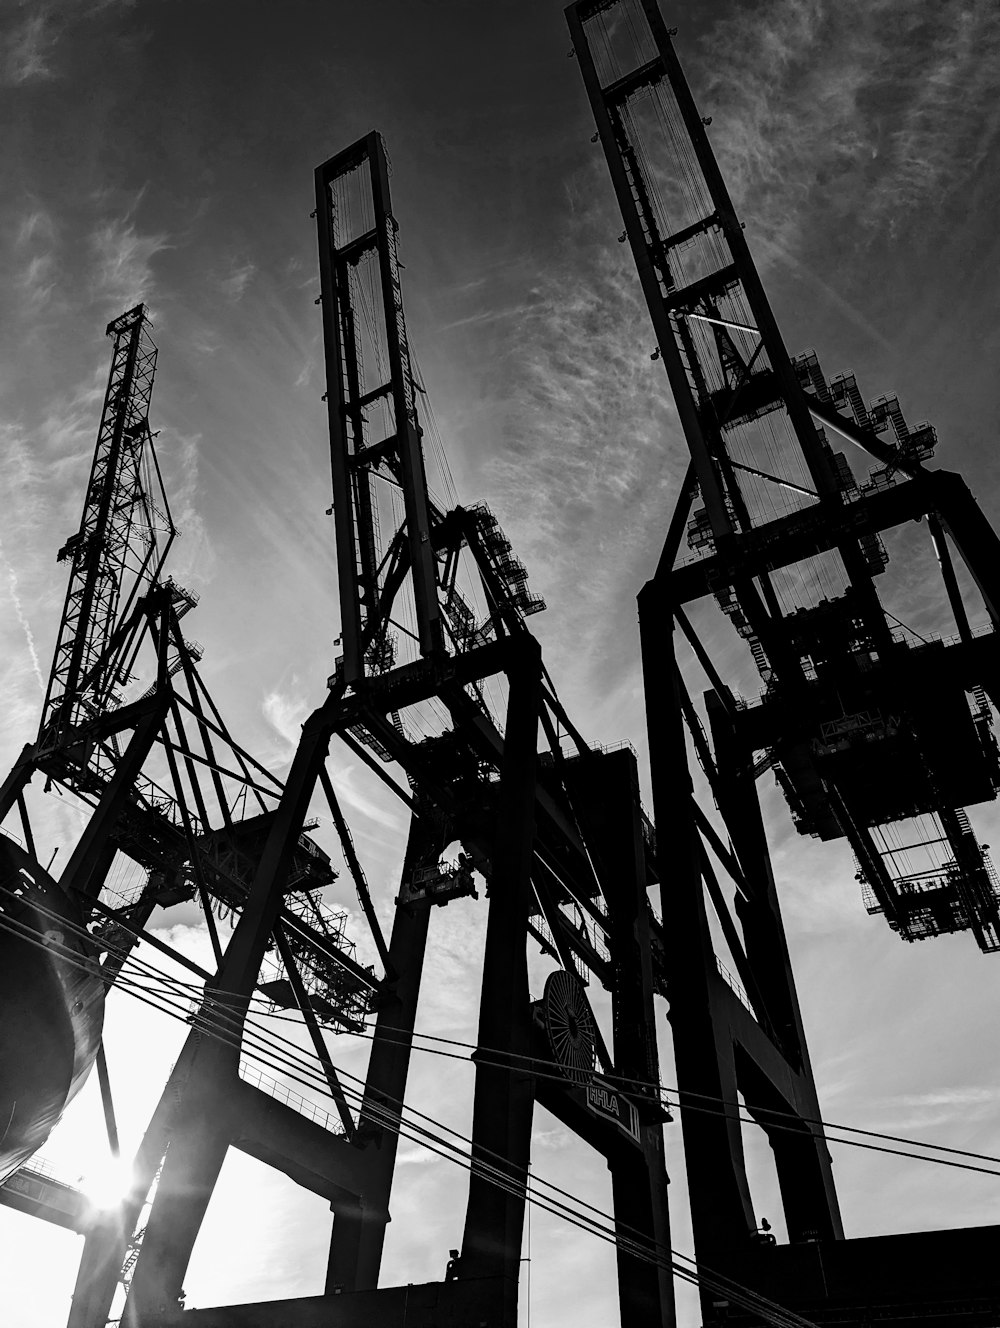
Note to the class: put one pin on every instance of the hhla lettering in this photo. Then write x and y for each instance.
(603, 1099)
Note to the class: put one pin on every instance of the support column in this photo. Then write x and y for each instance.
(17, 781)
(89, 862)
(802, 1159)
(359, 1231)
(722, 1211)
(638, 1176)
(504, 1097)
(204, 1123)
(105, 1246)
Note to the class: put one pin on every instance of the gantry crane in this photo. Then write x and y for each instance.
(875, 736)
(433, 609)
(174, 810)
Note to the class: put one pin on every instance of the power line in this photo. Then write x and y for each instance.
(228, 1034)
(714, 1105)
(259, 1045)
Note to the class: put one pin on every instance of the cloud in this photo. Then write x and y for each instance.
(590, 454)
(192, 941)
(22, 618)
(416, 1156)
(123, 274)
(286, 715)
(68, 430)
(37, 281)
(234, 285)
(864, 108)
(349, 780)
(193, 556)
(486, 316)
(24, 575)
(206, 341)
(959, 1107)
(27, 41)
(33, 260)
(25, 49)
(36, 225)
(951, 1097)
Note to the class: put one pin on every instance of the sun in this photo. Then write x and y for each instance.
(106, 1183)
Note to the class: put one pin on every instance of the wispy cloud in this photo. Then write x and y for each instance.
(26, 47)
(960, 1097)
(206, 341)
(286, 711)
(36, 225)
(234, 284)
(33, 260)
(961, 1106)
(37, 281)
(13, 586)
(486, 316)
(66, 434)
(30, 31)
(123, 273)
(25, 577)
(285, 714)
(193, 557)
(866, 108)
(590, 453)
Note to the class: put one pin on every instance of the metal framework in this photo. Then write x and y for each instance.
(563, 863)
(175, 810)
(433, 608)
(874, 736)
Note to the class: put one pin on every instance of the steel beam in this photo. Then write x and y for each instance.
(502, 1111)
(605, 791)
(359, 1230)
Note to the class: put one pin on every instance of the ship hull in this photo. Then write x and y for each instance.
(51, 1005)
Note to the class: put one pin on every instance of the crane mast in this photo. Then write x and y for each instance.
(124, 536)
(875, 736)
(365, 332)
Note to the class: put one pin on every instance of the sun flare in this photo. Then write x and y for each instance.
(106, 1183)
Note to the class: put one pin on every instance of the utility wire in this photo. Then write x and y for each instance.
(216, 1028)
(715, 1105)
(258, 1039)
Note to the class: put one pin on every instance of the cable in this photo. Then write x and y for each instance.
(502, 1179)
(190, 991)
(283, 1068)
(193, 991)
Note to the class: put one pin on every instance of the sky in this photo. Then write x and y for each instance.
(164, 152)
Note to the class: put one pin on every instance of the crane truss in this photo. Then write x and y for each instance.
(174, 809)
(875, 736)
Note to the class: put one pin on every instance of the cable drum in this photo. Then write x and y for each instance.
(569, 1025)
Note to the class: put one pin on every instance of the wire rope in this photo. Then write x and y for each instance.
(503, 1179)
(191, 992)
(222, 1033)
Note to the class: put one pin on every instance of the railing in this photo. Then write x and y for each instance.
(40, 1166)
(589, 932)
(734, 986)
(250, 1074)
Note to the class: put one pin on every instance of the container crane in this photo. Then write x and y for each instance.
(433, 617)
(175, 810)
(874, 737)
